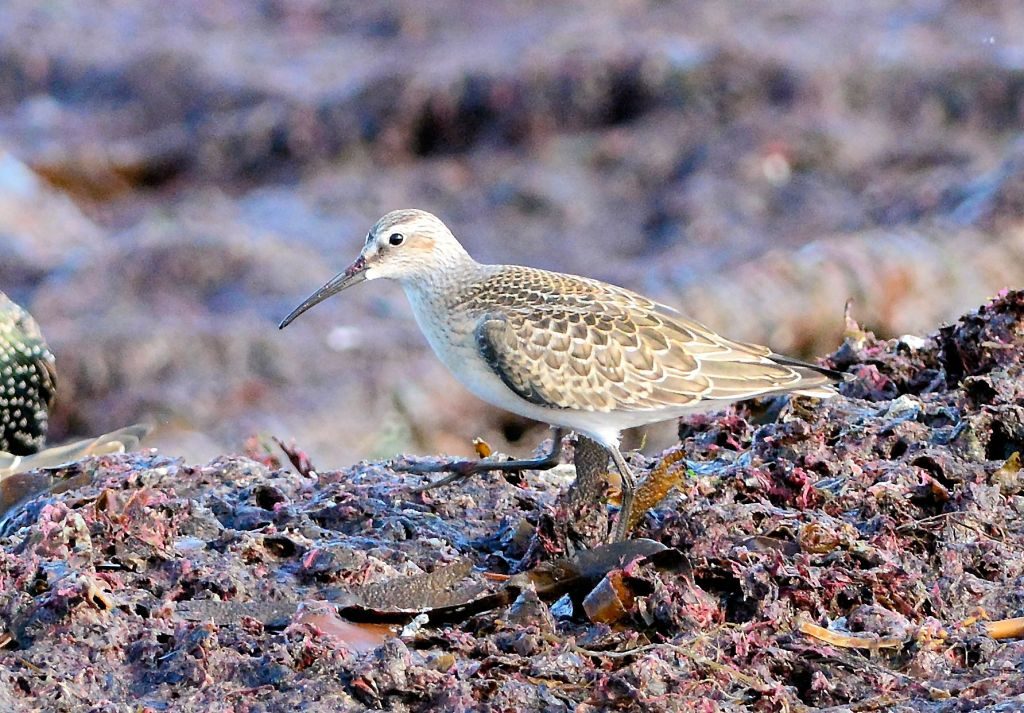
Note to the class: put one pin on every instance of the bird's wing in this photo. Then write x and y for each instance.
(37, 353)
(47, 369)
(573, 343)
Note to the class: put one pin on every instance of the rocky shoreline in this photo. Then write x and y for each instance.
(851, 554)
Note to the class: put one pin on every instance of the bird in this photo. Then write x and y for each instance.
(28, 381)
(28, 387)
(116, 442)
(570, 351)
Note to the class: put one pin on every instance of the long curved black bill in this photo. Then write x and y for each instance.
(355, 274)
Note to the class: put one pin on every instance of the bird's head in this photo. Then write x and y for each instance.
(405, 245)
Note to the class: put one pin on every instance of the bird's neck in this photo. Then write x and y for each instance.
(445, 286)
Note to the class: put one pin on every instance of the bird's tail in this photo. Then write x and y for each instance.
(820, 380)
(119, 441)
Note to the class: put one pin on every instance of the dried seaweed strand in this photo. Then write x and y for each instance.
(885, 700)
(656, 487)
(1002, 629)
(850, 641)
(948, 515)
(617, 654)
(696, 660)
(1006, 628)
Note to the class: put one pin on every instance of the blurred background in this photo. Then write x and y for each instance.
(176, 176)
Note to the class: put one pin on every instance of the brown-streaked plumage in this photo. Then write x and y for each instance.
(569, 351)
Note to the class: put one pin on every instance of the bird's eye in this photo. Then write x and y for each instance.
(396, 239)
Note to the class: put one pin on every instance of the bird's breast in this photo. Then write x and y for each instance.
(451, 334)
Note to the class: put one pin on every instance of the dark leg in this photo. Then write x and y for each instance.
(585, 501)
(621, 531)
(461, 469)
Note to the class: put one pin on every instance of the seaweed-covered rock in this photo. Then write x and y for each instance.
(843, 553)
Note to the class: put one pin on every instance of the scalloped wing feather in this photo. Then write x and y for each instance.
(572, 343)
